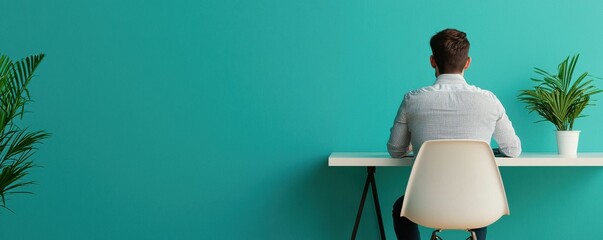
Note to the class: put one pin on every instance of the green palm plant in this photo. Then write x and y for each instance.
(557, 98)
(17, 144)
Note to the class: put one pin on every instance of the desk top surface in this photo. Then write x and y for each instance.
(535, 159)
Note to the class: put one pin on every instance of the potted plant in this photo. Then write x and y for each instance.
(560, 100)
(17, 144)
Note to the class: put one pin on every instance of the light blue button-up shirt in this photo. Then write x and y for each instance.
(451, 109)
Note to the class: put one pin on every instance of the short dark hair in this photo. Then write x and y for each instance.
(450, 49)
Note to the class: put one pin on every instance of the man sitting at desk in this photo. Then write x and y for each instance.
(448, 109)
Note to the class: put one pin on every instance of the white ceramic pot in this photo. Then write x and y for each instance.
(567, 142)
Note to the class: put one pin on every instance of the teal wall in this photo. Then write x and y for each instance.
(214, 119)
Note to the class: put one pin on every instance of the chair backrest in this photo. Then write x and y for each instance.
(455, 184)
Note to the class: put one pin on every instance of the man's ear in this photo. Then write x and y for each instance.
(468, 63)
(433, 62)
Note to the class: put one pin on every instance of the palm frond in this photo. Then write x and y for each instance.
(17, 145)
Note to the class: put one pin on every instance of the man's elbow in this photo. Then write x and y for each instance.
(511, 151)
(396, 152)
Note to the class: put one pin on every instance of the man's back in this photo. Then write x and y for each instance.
(452, 109)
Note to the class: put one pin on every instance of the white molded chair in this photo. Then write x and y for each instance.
(455, 184)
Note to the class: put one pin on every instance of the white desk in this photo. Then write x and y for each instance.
(530, 159)
(371, 160)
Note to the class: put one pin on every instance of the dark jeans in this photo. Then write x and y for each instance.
(408, 230)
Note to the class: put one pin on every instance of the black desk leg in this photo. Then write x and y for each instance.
(370, 180)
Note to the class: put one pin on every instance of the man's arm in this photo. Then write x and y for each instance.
(504, 135)
(398, 144)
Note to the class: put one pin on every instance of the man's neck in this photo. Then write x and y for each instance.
(438, 73)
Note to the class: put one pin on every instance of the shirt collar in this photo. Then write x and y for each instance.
(450, 79)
